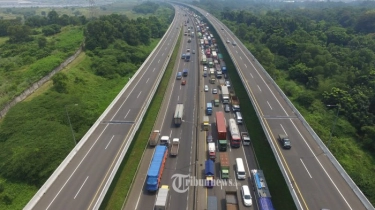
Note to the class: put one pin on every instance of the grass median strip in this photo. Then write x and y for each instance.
(123, 180)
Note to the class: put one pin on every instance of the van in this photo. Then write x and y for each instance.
(246, 196)
(240, 169)
(179, 75)
(238, 118)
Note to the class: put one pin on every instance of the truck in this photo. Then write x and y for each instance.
(164, 140)
(225, 94)
(235, 103)
(154, 137)
(185, 72)
(162, 198)
(245, 138)
(216, 100)
(156, 168)
(265, 203)
(210, 62)
(224, 165)
(221, 131)
(212, 76)
(178, 114)
(187, 57)
(175, 146)
(223, 67)
(231, 200)
(209, 172)
(206, 122)
(212, 203)
(284, 140)
(212, 151)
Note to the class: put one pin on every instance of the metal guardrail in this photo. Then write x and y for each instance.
(30, 205)
(317, 139)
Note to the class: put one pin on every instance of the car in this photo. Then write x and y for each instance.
(193, 51)
(228, 41)
(188, 50)
(227, 83)
(222, 28)
(209, 138)
(246, 196)
(206, 88)
(183, 56)
(214, 91)
(227, 108)
(183, 82)
(204, 68)
(205, 73)
(234, 43)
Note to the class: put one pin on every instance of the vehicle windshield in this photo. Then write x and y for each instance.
(247, 197)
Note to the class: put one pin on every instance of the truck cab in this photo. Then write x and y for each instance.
(164, 140)
(284, 140)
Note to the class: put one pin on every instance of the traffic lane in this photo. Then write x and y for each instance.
(304, 166)
(327, 171)
(88, 172)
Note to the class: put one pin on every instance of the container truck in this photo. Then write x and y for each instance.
(162, 198)
(225, 94)
(231, 200)
(265, 203)
(154, 137)
(245, 138)
(212, 203)
(209, 172)
(155, 171)
(175, 146)
(178, 114)
(224, 165)
(221, 130)
(212, 151)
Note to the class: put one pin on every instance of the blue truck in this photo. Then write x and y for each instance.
(187, 57)
(209, 172)
(156, 168)
(265, 203)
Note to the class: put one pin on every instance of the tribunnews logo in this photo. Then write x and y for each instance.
(181, 182)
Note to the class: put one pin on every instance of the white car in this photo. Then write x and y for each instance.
(227, 83)
(246, 196)
(204, 68)
(214, 91)
(206, 88)
(228, 41)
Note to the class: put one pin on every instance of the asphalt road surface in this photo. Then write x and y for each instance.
(83, 179)
(315, 181)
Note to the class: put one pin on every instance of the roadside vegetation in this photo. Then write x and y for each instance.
(35, 135)
(320, 54)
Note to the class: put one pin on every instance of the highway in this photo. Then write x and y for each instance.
(183, 163)
(82, 183)
(314, 181)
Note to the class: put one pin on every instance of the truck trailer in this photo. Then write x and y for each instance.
(224, 165)
(154, 137)
(231, 200)
(175, 146)
(155, 171)
(162, 198)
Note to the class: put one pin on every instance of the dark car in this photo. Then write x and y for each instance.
(183, 82)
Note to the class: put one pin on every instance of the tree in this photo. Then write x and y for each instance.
(60, 82)
(42, 42)
(19, 33)
(53, 17)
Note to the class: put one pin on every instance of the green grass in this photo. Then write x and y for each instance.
(266, 159)
(124, 177)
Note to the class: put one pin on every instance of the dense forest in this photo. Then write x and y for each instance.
(35, 134)
(320, 54)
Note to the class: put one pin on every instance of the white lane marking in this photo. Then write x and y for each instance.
(139, 94)
(178, 98)
(170, 134)
(109, 142)
(269, 105)
(305, 168)
(240, 57)
(236, 51)
(147, 80)
(259, 89)
(127, 114)
(153, 70)
(245, 65)
(81, 187)
(283, 129)
(162, 54)
(158, 61)
(251, 75)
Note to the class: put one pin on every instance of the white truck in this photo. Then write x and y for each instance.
(164, 140)
(225, 94)
(175, 146)
(162, 199)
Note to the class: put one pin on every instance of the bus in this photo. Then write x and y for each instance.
(221, 131)
(178, 114)
(234, 133)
